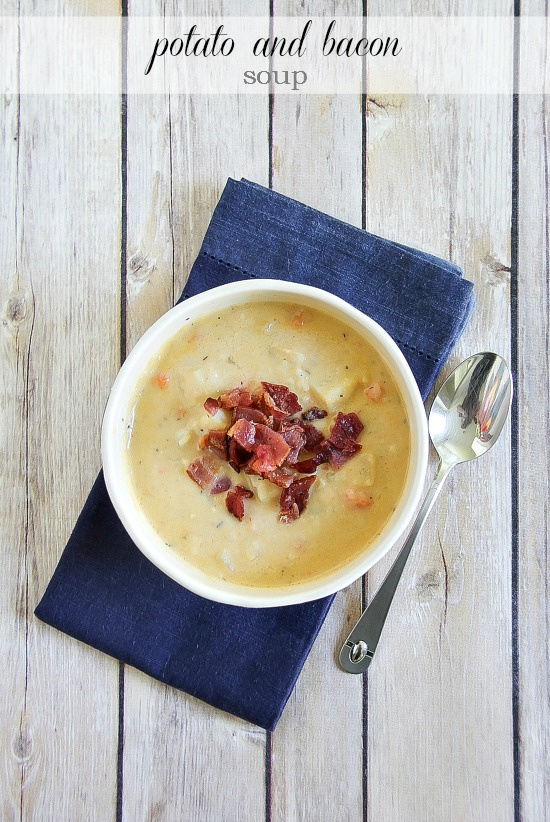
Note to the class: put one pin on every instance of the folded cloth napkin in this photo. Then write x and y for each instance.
(106, 593)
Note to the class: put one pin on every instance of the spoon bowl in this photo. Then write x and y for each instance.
(466, 418)
(471, 408)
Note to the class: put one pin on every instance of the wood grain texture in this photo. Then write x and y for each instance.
(59, 244)
(533, 404)
(448, 635)
(17, 313)
(534, 459)
(71, 705)
(182, 758)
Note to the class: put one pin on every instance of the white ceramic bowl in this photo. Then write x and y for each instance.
(118, 417)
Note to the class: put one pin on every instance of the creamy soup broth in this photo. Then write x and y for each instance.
(326, 364)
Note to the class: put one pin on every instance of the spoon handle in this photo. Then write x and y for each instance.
(358, 650)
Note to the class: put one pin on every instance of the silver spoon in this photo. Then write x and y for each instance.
(466, 419)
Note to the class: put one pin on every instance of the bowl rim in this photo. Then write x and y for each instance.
(135, 522)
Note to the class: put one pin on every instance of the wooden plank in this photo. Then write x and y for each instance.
(182, 758)
(17, 309)
(60, 241)
(317, 159)
(440, 713)
(533, 301)
(70, 772)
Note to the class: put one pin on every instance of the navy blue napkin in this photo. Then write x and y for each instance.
(107, 594)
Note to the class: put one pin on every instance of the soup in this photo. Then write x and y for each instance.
(272, 535)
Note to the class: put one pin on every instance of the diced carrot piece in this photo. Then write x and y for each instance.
(358, 497)
(297, 319)
(162, 380)
(374, 392)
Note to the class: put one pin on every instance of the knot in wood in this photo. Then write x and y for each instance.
(430, 585)
(140, 267)
(16, 309)
(22, 746)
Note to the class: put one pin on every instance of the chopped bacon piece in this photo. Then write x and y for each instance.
(281, 476)
(263, 463)
(235, 498)
(280, 401)
(359, 497)
(216, 441)
(244, 433)
(258, 399)
(314, 413)
(313, 436)
(241, 412)
(310, 466)
(374, 392)
(212, 406)
(294, 437)
(337, 456)
(237, 457)
(270, 448)
(294, 499)
(201, 471)
(342, 443)
(345, 427)
(220, 485)
(235, 397)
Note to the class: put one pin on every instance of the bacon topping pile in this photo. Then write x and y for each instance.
(267, 438)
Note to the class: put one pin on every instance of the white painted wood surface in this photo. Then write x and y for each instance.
(60, 275)
(455, 593)
(533, 461)
(441, 728)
